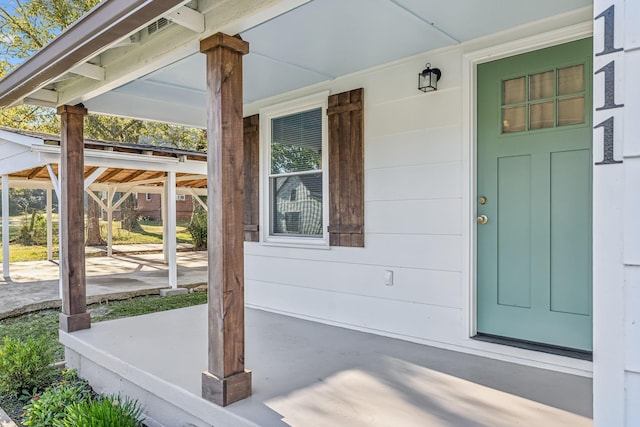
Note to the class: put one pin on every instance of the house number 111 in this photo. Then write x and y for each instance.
(609, 71)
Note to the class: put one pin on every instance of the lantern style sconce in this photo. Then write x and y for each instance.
(428, 78)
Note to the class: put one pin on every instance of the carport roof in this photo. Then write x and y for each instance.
(25, 156)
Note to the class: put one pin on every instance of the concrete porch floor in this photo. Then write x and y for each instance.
(310, 374)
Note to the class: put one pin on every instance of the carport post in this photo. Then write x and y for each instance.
(170, 187)
(5, 226)
(49, 225)
(74, 314)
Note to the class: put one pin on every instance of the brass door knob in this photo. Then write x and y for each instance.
(482, 219)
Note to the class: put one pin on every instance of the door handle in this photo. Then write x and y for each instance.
(482, 219)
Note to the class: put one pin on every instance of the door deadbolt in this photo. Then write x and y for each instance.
(482, 219)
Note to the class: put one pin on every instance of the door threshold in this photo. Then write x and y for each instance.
(528, 345)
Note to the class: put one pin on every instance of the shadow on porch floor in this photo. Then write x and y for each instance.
(309, 374)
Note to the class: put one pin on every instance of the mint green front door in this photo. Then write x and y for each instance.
(534, 188)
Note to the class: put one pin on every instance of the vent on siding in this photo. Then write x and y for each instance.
(157, 25)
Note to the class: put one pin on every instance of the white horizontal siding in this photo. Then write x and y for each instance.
(413, 219)
(435, 181)
(433, 252)
(436, 216)
(397, 317)
(632, 385)
(418, 147)
(430, 287)
(420, 111)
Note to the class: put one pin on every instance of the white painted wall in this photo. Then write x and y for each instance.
(417, 219)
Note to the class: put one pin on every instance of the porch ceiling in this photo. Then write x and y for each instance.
(320, 41)
(157, 73)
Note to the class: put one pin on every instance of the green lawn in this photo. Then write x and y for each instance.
(44, 324)
(151, 232)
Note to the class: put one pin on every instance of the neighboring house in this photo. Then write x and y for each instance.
(504, 204)
(149, 207)
(299, 207)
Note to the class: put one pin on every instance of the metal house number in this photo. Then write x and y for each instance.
(609, 71)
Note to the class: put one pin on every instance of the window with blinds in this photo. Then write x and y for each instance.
(296, 174)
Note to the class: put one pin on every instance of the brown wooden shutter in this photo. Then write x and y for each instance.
(346, 168)
(251, 181)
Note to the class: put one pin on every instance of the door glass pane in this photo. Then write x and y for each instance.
(513, 91)
(541, 85)
(571, 80)
(513, 119)
(541, 115)
(570, 111)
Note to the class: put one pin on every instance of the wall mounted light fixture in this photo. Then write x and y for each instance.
(428, 78)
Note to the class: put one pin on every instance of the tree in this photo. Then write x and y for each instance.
(28, 25)
(94, 238)
(129, 215)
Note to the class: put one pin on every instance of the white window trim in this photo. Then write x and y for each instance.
(318, 100)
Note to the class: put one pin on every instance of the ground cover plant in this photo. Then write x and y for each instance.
(42, 328)
(49, 407)
(25, 366)
(103, 411)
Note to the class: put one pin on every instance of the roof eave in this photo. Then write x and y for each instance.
(108, 22)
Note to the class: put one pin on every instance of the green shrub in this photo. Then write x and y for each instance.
(45, 409)
(25, 367)
(108, 411)
(198, 227)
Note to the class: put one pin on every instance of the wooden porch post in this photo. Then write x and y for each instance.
(74, 314)
(226, 380)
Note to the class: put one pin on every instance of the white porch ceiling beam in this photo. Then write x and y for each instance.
(91, 178)
(106, 24)
(54, 180)
(23, 161)
(172, 44)
(150, 189)
(91, 71)
(123, 198)
(97, 199)
(42, 97)
(154, 189)
(114, 159)
(35, 184)
(198, 199)
(187, 18)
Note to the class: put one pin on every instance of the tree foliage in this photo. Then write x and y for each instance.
(287, 158)
(28, 25)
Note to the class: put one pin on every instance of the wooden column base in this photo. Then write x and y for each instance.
(228, 390)
(75, 322)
